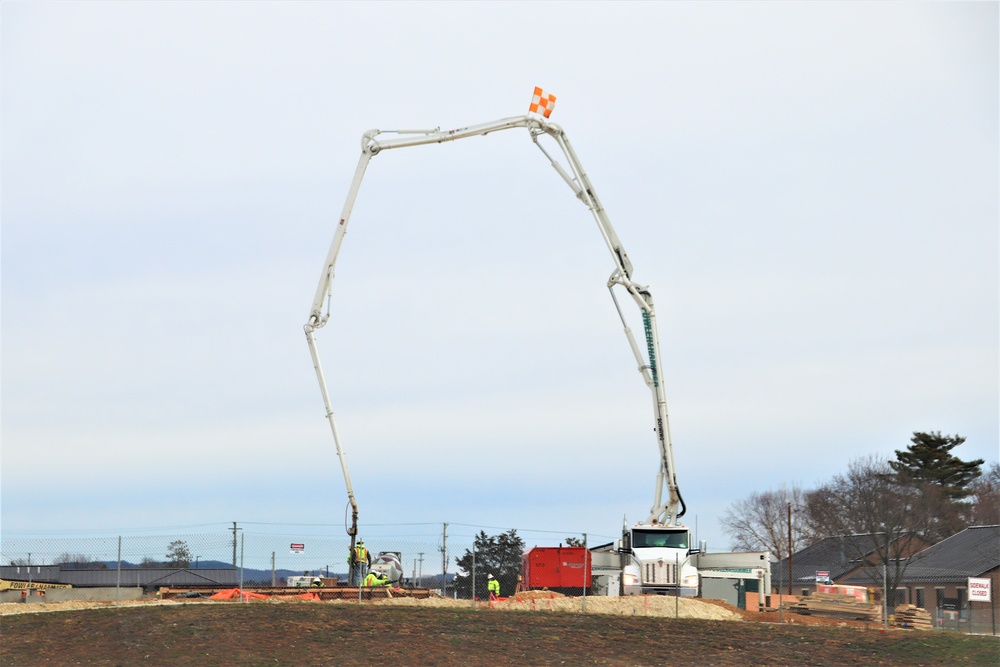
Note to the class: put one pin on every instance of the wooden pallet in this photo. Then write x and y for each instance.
(912, 616)
(836, 606)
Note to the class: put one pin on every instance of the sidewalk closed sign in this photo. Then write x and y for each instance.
(979, 590)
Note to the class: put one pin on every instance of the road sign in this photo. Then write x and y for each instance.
(979, 590)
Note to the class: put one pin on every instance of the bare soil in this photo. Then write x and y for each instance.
(540, 631)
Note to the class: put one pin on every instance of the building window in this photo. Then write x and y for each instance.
(963, 602)
(939, 598)
(919, 596)
(805, 592)
(899, 598)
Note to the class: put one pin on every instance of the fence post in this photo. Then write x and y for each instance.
(586, 560)
(242, 540)
(677, 594)
(118, 576)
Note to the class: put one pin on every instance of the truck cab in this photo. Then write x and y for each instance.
(658, 561)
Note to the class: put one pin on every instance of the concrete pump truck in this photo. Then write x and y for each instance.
(657, 555)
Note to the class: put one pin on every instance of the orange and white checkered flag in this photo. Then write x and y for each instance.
(542, 103)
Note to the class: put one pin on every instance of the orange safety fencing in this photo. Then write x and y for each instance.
(235, 594)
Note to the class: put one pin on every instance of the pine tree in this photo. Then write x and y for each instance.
(929, 460)
(178, 554)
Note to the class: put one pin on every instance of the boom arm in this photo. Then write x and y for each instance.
(662, 511)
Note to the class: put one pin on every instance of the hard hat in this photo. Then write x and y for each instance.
(360, 541)
(489, 576)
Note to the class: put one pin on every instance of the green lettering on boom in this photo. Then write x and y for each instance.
(649, 345)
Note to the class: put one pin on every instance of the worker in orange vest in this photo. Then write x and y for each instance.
(360, 560)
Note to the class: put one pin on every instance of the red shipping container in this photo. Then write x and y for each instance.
(556, 568)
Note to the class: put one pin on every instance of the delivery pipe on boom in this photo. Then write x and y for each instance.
(663, 511)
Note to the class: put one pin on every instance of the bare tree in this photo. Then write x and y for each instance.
(78, 561)
(760, 522)
(879, 520)
(986, 497)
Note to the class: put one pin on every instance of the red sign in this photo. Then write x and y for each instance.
(298, 547)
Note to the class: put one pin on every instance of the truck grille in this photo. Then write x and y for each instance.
(659, 573)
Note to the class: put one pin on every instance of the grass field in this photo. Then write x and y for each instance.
(350, 634)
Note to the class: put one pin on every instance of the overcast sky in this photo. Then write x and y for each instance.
(808, 189)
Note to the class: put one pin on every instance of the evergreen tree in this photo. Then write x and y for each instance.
(499, 555)
(178, 554)
(929, 460)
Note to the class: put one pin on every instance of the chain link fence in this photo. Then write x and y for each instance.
(978, 618)
(262, 555)
(453, 560)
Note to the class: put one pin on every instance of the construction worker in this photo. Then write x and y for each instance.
(317, 581)
(493, 586)
(376, 579)
(360, 560)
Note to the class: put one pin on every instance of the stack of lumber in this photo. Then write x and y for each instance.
(836, 606)
(911, 616)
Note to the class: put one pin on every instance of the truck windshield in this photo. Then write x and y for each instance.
(659, 538)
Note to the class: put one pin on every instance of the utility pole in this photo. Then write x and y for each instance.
(420, 576)
(444, 559)
(789, 548)
(234, 542)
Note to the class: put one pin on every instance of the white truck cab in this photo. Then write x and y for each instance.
(658, 561)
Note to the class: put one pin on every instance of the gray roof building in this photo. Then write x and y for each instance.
(840, 557)
(145, 577)
(973, 552)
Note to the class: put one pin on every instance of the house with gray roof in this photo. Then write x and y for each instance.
(937, 579)
(847, 559)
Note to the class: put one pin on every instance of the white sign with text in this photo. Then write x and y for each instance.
(979, 590)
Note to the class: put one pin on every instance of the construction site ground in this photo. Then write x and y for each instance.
(542, 629)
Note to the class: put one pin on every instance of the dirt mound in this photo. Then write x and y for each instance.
(8, 608)
(538, 601)
(651, 605)
(633, 605)
(538, 595)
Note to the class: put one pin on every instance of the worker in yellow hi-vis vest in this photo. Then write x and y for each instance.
(360, 560)
(493, 586)
(376, 579)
